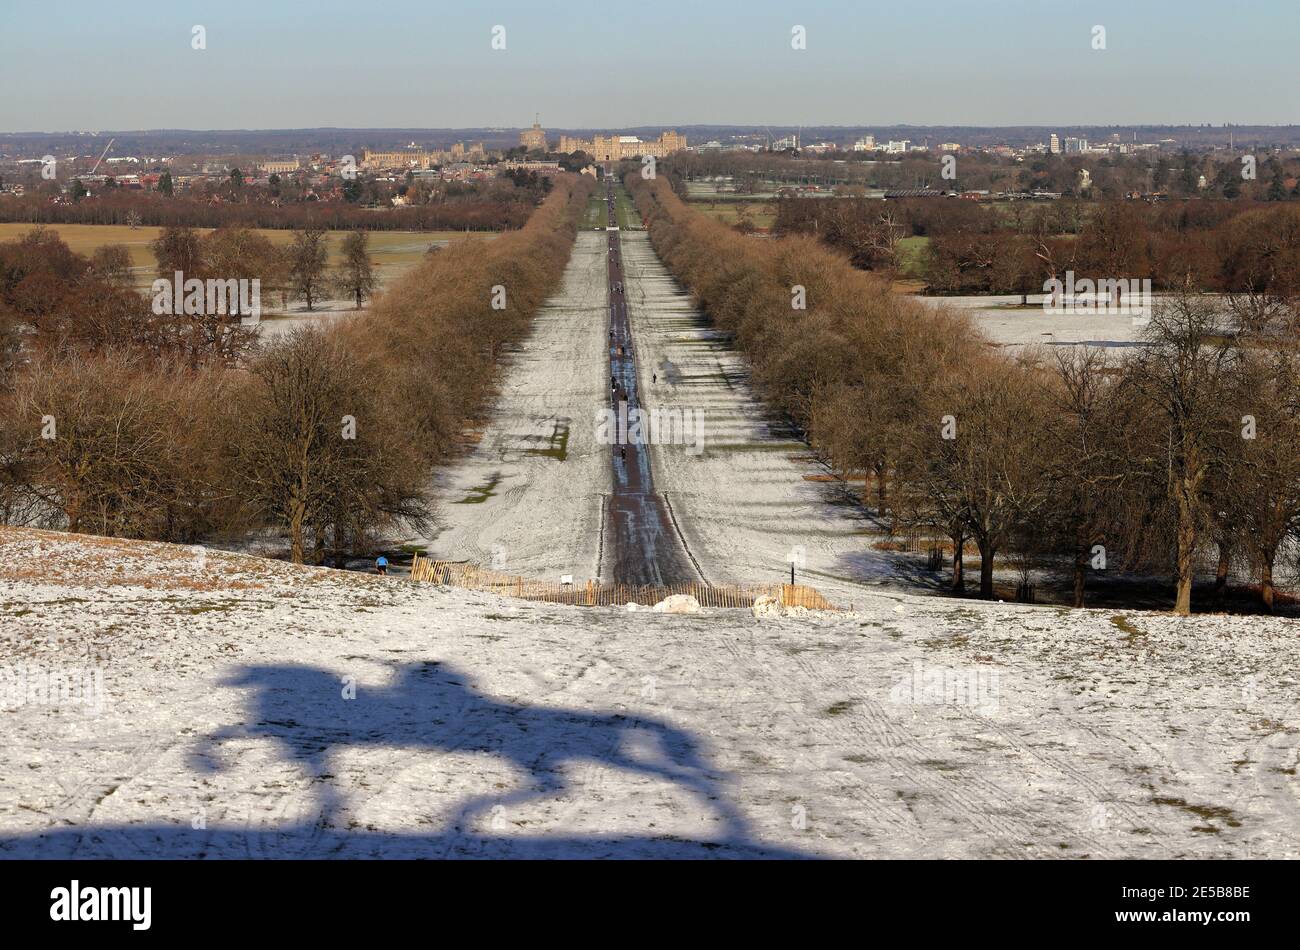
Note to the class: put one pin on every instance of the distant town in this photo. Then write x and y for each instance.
(64, 169)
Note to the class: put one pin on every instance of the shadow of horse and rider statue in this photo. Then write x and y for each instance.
(429, 707)
(311, 719)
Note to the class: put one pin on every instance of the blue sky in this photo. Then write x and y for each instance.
(279, 64)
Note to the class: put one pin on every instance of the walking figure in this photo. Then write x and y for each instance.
(381, 565)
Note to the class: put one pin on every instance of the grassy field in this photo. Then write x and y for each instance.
(761, 213)
(386, 247)
(624, 211)
(911, 251)
(594, 214)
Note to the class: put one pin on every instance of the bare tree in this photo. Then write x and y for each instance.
(1183, 373)
(1084, 464)
(317, 451)
(355, 275)
(111, 263)
(307, 257)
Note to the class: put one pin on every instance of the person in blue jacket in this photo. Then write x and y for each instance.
(381, 564)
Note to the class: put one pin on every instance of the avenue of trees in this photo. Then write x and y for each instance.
(1082, 463)
(118, 421)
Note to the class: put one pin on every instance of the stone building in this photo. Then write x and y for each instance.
(534, 138)
(278, 167)
(613, 148)
(406, 158)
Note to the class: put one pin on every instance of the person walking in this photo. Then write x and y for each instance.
(381, 565)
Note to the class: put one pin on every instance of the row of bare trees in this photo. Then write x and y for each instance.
(298, 270)
(1081, 463)
(492, 208)
(974, 248)
(326, 435)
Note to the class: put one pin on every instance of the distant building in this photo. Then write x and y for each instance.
(613, 148)
(405, 158)
(1054, 144)
(950, 147)
(541, 168)
(913, 193)
(893, 147)
(278, 168)
(865, 144)
(534, 138)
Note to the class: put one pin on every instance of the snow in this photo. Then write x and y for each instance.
(484, 727)
(747, 503)
(527, 500)
(1005, 323)
(744, 505)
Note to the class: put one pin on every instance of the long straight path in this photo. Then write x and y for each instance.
(528, 498)
(641, 544)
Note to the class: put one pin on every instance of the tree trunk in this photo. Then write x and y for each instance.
(986, 570)
(1266, 593)
(958, 566)
(1186, 551)
(1221, 574)
(880, 493)
(1080, 573)
(297, 513)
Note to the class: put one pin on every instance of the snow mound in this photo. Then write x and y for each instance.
(677, 604)
(768, 605)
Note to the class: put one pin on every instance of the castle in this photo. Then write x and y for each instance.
(613, 148)
(422, 158)
(534, 138)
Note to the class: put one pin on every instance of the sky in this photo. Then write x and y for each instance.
(76, 65)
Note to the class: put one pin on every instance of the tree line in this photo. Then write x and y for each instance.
(477, 211)
(975, 248)
(323, 434)
(1078, 463)
(1184, 174)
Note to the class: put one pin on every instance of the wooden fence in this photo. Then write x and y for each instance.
(591, 594)
(922, 541)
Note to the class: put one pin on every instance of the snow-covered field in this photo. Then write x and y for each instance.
(221, 725)
(747, 501)
(1006, 323)
(527, 500)
(164, 701)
